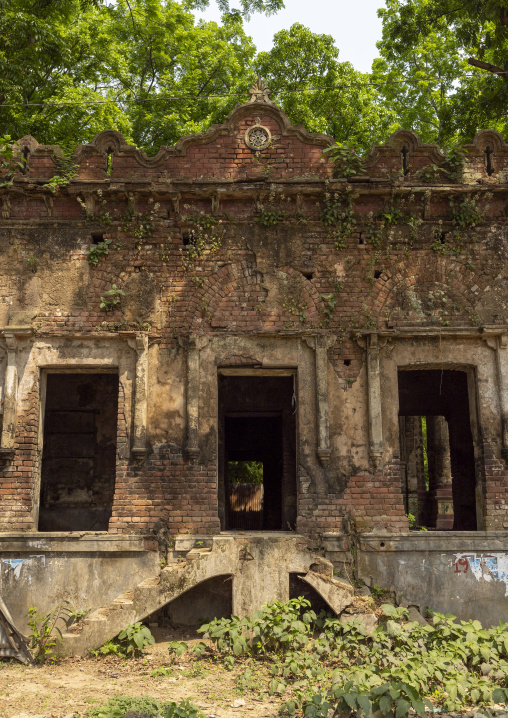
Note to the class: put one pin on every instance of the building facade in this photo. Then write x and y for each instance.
(241, 300)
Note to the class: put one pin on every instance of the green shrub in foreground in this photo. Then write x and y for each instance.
(325, 664)
(118, 706)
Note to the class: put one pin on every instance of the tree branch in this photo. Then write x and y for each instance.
(487, 66)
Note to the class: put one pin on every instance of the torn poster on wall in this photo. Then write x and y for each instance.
(487, 567)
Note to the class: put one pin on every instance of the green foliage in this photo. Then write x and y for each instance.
(135, 638)
(11, 161)
(177, 648)
(130, 642)
(275, 628)
(111, 299)
(271, 216)
(467, 212)
(429, 42)
(110, 648)
(329, 304)
(202, 237)
(451, 170)
(201, 219)
(32, 263)
(411, 519)
(327, 665)
(96, 251)
(346, 161)
(120, 705)
(66, 170)
(44, 631)
(338, 214)
(272, 213)
(245, 472)
(301, 59)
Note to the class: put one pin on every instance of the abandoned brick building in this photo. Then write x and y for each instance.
(240, 301)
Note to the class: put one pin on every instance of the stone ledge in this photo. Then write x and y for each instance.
(71, 542)
(442, 541)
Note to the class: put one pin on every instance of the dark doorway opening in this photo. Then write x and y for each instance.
(79, 452)
(437, 449)
(257, 452)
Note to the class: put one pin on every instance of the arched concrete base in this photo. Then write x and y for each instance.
(259, 563)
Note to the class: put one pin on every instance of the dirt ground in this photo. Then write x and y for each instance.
(73, 686)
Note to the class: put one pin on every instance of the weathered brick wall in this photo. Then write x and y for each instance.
(212, 238)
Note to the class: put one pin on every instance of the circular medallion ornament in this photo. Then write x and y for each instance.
(258, 137)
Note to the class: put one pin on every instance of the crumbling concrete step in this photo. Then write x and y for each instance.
(150, 582)
(126, 597)
(338, 595)
(197, 553)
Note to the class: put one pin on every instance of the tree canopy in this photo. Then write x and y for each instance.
(70, 68)
(447, 61)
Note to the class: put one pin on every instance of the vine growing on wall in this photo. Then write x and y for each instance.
(111, 298)
(140, 224)
(339, 215)
(345, 159)
(66, 170)
(11, 162)
(467, 212)
(271, 213)
(204, 240)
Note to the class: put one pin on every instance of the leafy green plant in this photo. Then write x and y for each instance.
(130, 642)
(110, 648)
(32, 263)
(44, 632)
(347, 162)
(135, 638)
(11, 162)
(201, 218)
(245, 472)
(330, 303)
(467, 212)
(338, 214)
(430, 174)
(455, 163)
(451, 170)
(66, 170)
(96, 251)
(111, 299)
(120, 705)
(177, 648)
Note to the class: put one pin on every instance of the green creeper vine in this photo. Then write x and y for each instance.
(96, 251)
(452, 169)
(204, 240)
(347, 162)
(66, 170)
(111, 298)
(271, 215)
(11, 163)
(467, 213)
(338, 214)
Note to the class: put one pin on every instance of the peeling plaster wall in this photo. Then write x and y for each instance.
(431, 571)
(44, 572)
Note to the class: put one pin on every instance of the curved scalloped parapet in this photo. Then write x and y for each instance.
(211, 151)
(384, 160)
(487, 158)
(223, 153)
